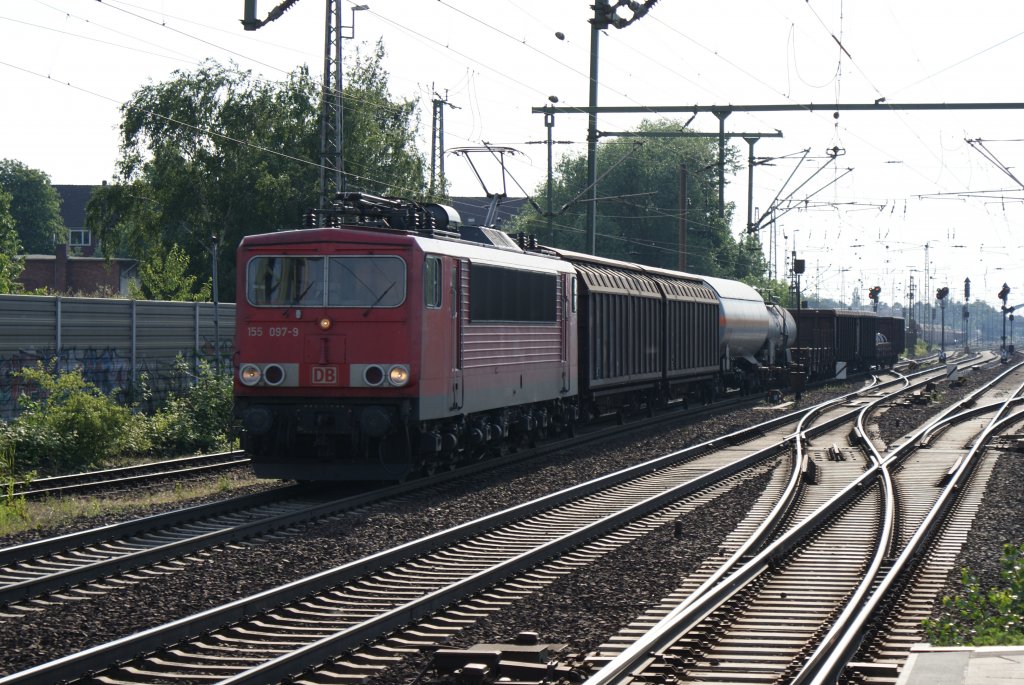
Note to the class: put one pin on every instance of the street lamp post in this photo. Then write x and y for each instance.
(606, 13)
(215, 242)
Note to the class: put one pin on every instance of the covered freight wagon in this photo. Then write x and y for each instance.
(845, 337)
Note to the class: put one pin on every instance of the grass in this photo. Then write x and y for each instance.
(982, 617)
(83, 512)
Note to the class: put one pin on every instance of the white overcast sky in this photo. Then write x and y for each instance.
(67, 65)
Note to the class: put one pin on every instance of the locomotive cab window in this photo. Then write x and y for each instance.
(432, 282)
(365, 281)
(286, 281)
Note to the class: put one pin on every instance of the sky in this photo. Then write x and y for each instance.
(900, 193)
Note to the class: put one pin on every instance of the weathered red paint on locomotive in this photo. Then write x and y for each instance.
(356, 335)
(460, 370)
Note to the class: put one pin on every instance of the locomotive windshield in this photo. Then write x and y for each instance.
(357, 281)
(365, 281)
(286, 281)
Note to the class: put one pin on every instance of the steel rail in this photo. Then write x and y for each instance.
(101, 656)
(695, 608)
(51, 486)
(69, 541)
(41, 584)
(289, 664)
(157, 637)
(843, 639)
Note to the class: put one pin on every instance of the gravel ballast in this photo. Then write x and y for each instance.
(213, 578)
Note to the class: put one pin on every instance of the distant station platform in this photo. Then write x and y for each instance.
(929, 665)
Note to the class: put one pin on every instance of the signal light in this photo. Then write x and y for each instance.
(604, 14)
(1004, 293)
(873, 292)
(941, 293)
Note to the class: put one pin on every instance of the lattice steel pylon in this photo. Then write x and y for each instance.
(332, 113)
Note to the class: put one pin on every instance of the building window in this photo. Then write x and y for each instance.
(80, 237)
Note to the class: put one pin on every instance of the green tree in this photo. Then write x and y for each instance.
(164, 276)
(35, 206)
(638, 220)
(10, 247)
(380, 133)
(216, 152)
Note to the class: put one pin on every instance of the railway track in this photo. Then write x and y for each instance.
(283, 631)
(797, 611)
(154, 473)
(126, 477)
(69, 566)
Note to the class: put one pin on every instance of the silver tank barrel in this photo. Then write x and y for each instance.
(744, 322)
(781, 333)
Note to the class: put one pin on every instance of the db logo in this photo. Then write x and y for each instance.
(325, 375)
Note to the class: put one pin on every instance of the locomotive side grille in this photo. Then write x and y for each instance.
(489, 345)
(500, 344)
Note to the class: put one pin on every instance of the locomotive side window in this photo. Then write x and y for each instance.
(286, 281)
(365, 281)
(432, 282)
(499, 294)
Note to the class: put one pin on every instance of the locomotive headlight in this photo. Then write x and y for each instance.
(249, 374)
(273, 374)
(398, 375)
(325, 324)
(373, 375)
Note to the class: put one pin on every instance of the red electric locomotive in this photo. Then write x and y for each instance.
(391, 346)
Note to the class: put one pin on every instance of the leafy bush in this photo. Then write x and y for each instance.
(12, 506)
(68, 424)
(982, 618)
(196, 420)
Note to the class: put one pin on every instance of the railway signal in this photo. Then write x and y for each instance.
(1004, 295)
(967, 314)
(873, 296)
(941, 294)
(1010, 312)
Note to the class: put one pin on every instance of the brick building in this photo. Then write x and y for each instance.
(74, 267)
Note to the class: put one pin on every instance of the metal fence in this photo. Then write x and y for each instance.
(124, 345)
